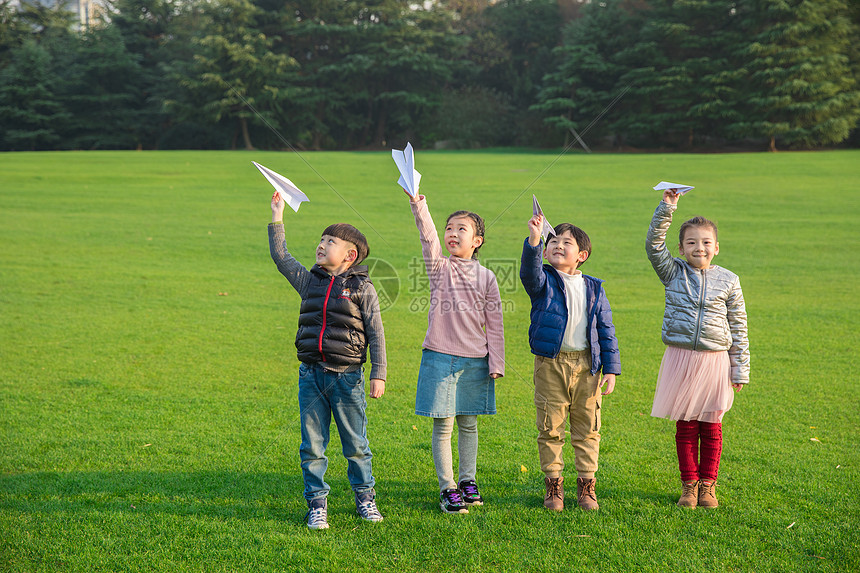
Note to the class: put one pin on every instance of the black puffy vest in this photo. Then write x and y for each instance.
(331, 329)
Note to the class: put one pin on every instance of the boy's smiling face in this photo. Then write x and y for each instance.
(335, 255)
(563, 253)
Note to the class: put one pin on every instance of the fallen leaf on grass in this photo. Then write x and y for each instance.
(813, 428)
(583, 536)
(523, 468)
(414, 427)
(223, 294)
(145, 445)
(792, 525)
(814, 440)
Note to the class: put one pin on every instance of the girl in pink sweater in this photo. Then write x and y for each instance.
(463, 351)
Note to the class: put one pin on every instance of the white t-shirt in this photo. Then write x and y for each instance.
(574, 333)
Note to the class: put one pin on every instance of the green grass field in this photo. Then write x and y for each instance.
(148, 375)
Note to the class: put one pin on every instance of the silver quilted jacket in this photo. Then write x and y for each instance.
(704, 308)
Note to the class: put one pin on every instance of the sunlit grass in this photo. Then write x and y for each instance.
(148, 375)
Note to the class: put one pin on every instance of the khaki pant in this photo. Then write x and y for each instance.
(564, 387)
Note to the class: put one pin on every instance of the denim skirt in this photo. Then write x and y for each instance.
(451, 385)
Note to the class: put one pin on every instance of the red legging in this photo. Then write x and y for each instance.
(694, 466)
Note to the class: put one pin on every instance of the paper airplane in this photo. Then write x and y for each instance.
(663, 185)
(547, 229)
(409, 177)
(288, 191)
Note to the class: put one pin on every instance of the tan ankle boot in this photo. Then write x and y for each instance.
(707, 498)
(554, 498)
(585, 493)
(690, 494)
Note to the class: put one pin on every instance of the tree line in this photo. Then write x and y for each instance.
(339, 74)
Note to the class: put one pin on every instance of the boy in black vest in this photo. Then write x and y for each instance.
(338, 321)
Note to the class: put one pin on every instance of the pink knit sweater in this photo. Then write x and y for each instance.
(465, 316)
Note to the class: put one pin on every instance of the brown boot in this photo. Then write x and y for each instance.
(706, 494)
(585, 493)
(554, 498)
(690, 494)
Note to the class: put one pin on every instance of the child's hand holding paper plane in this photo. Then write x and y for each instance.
(409, 177)
(547, 229)
(291, 194)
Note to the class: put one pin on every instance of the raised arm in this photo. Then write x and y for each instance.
(431, 249)
(288, 266)
(655, 242)
(531, 271)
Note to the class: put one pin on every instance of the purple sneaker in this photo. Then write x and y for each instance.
(471, 495)
(451, 501)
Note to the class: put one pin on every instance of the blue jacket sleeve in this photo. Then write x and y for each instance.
(610, 357)
(531, 271)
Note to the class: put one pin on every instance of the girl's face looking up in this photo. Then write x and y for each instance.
(460, 238)
(699, 247)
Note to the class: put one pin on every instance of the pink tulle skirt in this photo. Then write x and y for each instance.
(693, 385)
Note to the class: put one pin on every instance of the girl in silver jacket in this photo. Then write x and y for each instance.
(707, 351)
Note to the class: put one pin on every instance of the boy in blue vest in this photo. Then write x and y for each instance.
(576, 355)
(338, 321)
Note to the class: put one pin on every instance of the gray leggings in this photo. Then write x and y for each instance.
(467, 449)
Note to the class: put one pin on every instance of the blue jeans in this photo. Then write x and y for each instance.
(321, 394)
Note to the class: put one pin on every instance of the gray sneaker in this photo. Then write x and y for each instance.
(365, 505)
(317, 516)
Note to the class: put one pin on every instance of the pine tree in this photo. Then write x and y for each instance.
(680, 69)
(100, 82)
(32, 115)
(580, 94)
(234, 76)
(149, 32)
(796, 80)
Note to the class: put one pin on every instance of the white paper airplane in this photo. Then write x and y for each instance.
(288, 191)
(409, 177)
(547, 229)
(663, 185)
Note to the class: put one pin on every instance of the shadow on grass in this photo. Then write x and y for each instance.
(252, 496)
(219, 494)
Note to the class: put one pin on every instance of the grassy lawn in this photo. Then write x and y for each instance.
(148, 403)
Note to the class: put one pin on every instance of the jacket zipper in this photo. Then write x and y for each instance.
(325, 310)
(701, 311)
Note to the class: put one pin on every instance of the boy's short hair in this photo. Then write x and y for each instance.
(580, 236)
(347, 232)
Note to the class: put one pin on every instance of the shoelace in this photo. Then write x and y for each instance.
(369, 509)
(554, 488)
(454, 497)
(470, 489)
(317, 516)
(588, 490)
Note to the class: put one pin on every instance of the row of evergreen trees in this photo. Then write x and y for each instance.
(341, 74)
